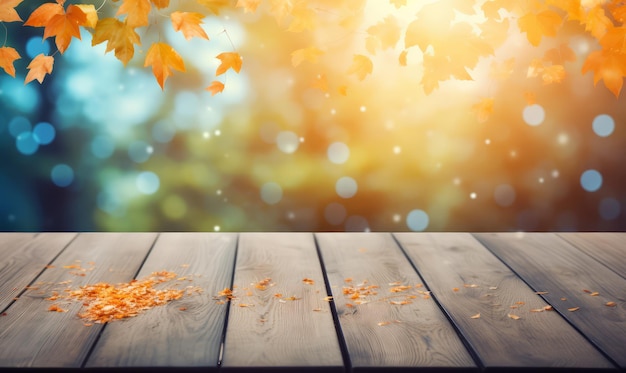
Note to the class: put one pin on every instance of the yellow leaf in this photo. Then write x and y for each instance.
(343, 90)
(39, 67)
(91, 14)
(553, 74)
(305, 54)
(215, 87)
(596, 22)
(119, 36)
(230, 60)
(8, 55)
(189, 24)
(8, 12)
(303, 18)
(361, 66)
(162, 57)
(386, 31)
(136, 12)
(280, 9)
(402, 58)
(537, 25)
(607, 66)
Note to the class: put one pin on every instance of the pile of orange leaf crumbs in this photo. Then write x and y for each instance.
(105, 302)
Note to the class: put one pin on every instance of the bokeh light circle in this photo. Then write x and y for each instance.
(591, 180)
(26, 143)
(271, 193)
(102, 146)
(19, 125)
(534, 115)
(148, 182)
(603, 125)
(287, 142)
(62, 175)
(346, 187)
(417, 220)
(504, 195)
(44, 133)
(338, 153)
(36, 46)
(335, 213)
(139, 151)
(609, 208)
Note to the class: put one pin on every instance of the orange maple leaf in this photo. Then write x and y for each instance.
(596, 22)
(119, 36)
(248, 5)
(215, 6)
(38, 68)
(136, 12)
(607, 66)
(91, 13)
(305, 54)
(537, 25)
(58, 22)
(361, 66)
(8, 12)
(7, 56)
(553, 74)
(163, 58)
(189, 24)
(161, 4)
(230, 60)
(215, 87)
(560, 55)
(483, 109)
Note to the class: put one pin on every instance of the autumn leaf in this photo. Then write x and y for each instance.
(91, 14)
(160, 4)
(386, 32)
(553, 74)
(615, 39)
(162, 57)
(280, 9)
(8, 12)
(537, 25)
(303, 18)
(119, 36)
(596, 22)
(402, 58)
(513, 316)
(62, 25)
(38, 68)
(361, 66)
(559, 55)
(41, 16)
(189, 24)
(136, 12)
(483, 109)
(215, 6)
(230, 60)
(607, 66)
(343, 90)
(249, 6)
(309, 54)
(476, 316)
(7, 56)
(215, 87)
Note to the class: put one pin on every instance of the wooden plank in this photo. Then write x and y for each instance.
(31, 336)
(548, 263)
(479, 293)
(187, 332)
(398, 327)
(609, 248)
(267, 328)
(23, 257)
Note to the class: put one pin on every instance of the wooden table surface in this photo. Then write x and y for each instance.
(322, 301)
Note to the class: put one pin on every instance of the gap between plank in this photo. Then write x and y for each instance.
(468, 345)
(228, 304)
(95, 342)
(486, 246)
(342, 342)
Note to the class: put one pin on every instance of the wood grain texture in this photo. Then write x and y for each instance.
(168, 336)
(548, 263)
(467, 280)
(31, 336)
(23, 256)
(380, 334)
(609, 248)
(266, 329)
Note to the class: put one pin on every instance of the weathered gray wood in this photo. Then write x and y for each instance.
(607, 247)
(168, 336)
(380, 334)
(31, 336)
(265, 328)
(468, 280)
(548, 263)
(24, 256)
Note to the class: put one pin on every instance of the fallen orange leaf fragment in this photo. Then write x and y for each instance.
(308, 281)
(56, 308)
(548, 308)
(573, 309)
(513, 316)
(541, 292)
(476, 316)
(384, 323)
(594, 294)
(455, 289)
(610, 304)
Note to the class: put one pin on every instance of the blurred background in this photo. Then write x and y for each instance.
(100, 147)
